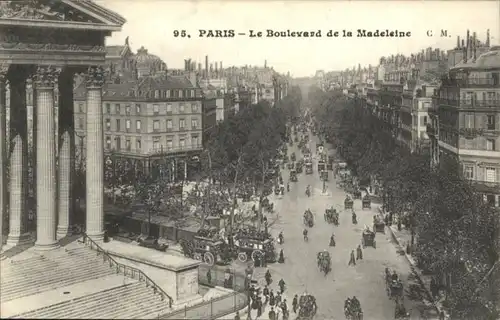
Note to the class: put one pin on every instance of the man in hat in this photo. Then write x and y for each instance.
(352, 261)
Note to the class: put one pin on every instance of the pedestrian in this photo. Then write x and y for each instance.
(352, 261)
(441, 315)
(294, 304)
(278, 298)
(359, 253)
(281, 257)
(281, 284)
(209, 277)
(259, 306)
(272, 299)
(272, 314)
(433, 287)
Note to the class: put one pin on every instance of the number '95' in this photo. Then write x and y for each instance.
(180, 33)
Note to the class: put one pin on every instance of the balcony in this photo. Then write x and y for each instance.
(168, 150)
(472, 83)
(467, 103)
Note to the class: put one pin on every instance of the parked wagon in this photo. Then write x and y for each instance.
(255, 249)
(378, 224)
(348, 203)
(293, 175)
(309, 168)
(368, 239)
(367, 202)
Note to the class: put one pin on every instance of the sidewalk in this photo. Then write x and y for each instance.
(402, 238)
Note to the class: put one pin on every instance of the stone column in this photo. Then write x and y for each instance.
(45, 78)
(3, 149)
(95, 155)
(18, 220)
(66, 141)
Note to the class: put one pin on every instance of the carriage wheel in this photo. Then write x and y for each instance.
(209, 258)
(242, 257)
(257, 254)
(197, 256)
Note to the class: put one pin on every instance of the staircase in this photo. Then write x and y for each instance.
(129, 301)
(33, 278)
(42, 273)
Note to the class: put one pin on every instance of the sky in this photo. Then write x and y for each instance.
(151, 23)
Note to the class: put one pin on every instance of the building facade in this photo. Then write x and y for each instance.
(466, 120)
(149, 117)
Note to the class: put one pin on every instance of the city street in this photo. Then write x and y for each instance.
(300, 271)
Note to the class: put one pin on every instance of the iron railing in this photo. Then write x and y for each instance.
(468, 103)
(472, 82)
(212, 309)
(132, 272)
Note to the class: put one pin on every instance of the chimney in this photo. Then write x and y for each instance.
(206, 67)
(186, 65)
(216, 71)
(458, 42)
(265, 63)
(199, 68)
(488, 37)
(467, 56)
(193, 66)
(221, 70)
(474, 44)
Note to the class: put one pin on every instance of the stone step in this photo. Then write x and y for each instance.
(59, 278)
(48, 267)
(133, 299)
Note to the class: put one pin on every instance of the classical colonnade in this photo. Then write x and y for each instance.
(54, 199)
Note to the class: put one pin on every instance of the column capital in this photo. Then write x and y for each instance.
(95, 77)
(46, 76)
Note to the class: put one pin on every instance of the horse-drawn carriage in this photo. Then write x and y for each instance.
(368, 238)
(348, 203)
(308, 219)
(332, 216)
(293, 156)
(293, 175)
(208, 250)
(321, 165)
(393, 285)
(299, 167)
(324, 262)
(291, 165)
(356, 193)
(324, 175)
(378, 224)
(309, 168)
(367, 202)
(307, 307)
(256, 247)
(267, 205)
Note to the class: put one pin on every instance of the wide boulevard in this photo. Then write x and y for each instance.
(365, 280)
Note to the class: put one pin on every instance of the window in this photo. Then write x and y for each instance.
(156, 143)
(138, 125)
(180, 93)
(118, 125)
(117, 108)
(192, 93)
(182, 142)
(194, 140)
(108, 142)
(108, 108)
(490, 123)
(138, 108)
(118, 142)
(128, 145)
(138, 143)
(469, 172)
(194, 107)
(170, 143)
(156, 125)
(194, 123)
(182, 124)
(425, 120)
(127, 109)
(157, 94)
(156, 108)
(490, 144)
(80, 123)
(80, 108)
(127, 124)
(490, 174)
(181, 108)
(108, 124)
(469, 121)
(169, 124)
(168, 93)
(169, 108)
